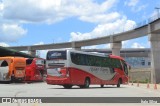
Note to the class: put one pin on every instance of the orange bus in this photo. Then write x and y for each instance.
(12, 69)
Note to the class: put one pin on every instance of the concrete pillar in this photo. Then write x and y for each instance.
(75, 47)
(116, 47)
(155, 57)
(31, 52)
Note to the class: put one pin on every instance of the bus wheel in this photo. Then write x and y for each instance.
(67, 86)
(87, 83)
(81, 86)
(119, 83)
(102, 86)
(12, 79)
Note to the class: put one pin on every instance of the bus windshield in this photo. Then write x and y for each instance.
(29, 61)
(56, 55)
(39, 62)
(55, 62)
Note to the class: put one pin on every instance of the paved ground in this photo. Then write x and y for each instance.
(44, 90)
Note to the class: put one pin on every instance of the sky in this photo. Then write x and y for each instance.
(33, 22)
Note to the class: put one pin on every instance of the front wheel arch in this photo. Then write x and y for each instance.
(86, 83)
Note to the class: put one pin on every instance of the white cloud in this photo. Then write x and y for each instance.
(11, 32)
(137, 45)
(105, 29)
(50, 11)
(139, 8)
(131, 2)
(4, 44)
(135, 5)
(1, 6)
(101, 18)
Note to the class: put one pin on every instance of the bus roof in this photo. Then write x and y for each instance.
(10, 57)
(4, 51)
(36, 58)
(90, 53)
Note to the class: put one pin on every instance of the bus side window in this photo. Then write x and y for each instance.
(112, 70)
(74, 58)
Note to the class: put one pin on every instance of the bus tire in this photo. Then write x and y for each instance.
(67, 86)
(12, 79)
(102, 86)
(81, 86)
(5, 82)
(8, 82)
(119, 83)
(86, 83)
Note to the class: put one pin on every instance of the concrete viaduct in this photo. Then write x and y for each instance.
(140, 52)
(149, 28)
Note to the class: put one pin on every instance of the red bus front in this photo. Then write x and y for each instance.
(35, 69)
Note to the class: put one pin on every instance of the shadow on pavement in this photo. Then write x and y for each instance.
(89, 87)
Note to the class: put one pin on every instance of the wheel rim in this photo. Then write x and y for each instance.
(87, 83)
(118, 85)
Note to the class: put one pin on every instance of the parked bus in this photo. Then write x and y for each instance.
(70, 67)
(12, 69)
(35, 69)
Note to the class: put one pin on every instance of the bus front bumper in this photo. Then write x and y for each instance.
(58, 81)
(18, 79)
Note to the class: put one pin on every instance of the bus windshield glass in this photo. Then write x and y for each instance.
(56, 55)
(39, 62)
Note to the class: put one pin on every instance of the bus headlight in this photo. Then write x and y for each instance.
(4, 75)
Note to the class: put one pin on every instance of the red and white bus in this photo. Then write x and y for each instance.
(35, 69)
(71, 67)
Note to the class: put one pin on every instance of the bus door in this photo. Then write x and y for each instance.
(125, 70)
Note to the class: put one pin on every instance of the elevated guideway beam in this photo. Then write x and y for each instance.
(135, 33)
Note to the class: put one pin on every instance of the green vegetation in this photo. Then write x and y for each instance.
(142, 81)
